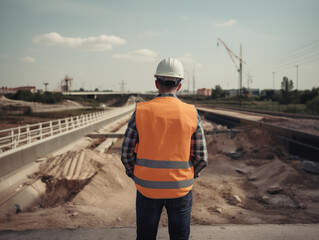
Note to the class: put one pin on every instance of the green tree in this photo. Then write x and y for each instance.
(218, 92)
(23, 95)
(313, 105)
(245, 92)
(269, 94)
(286, 87)
(308, 95)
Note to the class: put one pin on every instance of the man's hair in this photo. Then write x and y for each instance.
(168, 83)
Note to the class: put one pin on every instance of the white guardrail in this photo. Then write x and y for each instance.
(20, 136)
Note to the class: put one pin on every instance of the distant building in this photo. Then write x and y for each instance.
(254, 91)
(31, 89)
(204, 91)
(263, 92)
(6, 90)
(231, 92)
(235, 92)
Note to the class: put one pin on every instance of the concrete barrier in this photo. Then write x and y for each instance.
(16, 158)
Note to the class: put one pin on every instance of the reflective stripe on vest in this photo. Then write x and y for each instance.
(164, 185)
(163, 168)
(163, 164)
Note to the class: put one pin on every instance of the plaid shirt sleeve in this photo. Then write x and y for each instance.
(198, 148)
(128, 156)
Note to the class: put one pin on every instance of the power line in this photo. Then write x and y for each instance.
(288, 64)
(294, 58)
(283, 69)
(306, 54)
(268, 61)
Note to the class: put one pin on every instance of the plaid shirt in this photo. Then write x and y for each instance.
(198, 146)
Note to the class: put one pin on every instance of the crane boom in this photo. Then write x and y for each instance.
(239, 68)
(231, 54)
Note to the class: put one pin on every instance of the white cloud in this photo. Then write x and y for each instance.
(148, 34)
(185, 18)
(229, 23)
(189, 62)
(140, 55)
(99, 43)
(27, 59)
(187, 58)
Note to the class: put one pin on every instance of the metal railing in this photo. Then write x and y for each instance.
(20, 136)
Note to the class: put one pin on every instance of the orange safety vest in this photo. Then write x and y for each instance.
(163, 168)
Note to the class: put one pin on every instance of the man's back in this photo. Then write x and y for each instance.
(164, 125)
(163, 168)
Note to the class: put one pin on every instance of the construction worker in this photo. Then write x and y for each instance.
(163, 150)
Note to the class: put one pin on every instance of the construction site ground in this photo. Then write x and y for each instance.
(237, 195)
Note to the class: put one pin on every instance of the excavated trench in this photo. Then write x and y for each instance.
(61, 177)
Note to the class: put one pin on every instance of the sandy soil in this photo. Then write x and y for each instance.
(249, 179)
(304, 125)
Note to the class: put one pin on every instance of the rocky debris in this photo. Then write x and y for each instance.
(309, 166)
(251, 178)
(232, 199)
(74, 214)
(241, 171)
(265, 199)
(275, 189)
(237, 198)
(18, 208)
(301, 206)
(235, 155)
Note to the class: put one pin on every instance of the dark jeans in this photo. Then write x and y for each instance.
(148, 214)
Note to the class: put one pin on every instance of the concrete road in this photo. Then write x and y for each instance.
(218, 232)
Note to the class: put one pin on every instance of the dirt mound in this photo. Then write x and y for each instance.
(133, 100)
(110, 192)
(262, 185)
(65, 175)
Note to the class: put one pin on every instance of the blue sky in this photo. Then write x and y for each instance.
(102, 43)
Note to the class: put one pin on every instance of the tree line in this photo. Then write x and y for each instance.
(46, 97)
(286, 95)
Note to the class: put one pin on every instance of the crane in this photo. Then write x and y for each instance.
(66, 84)
(233, 56)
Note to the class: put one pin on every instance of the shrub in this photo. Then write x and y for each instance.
(313, 105)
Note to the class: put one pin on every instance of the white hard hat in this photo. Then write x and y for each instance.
(170, 67)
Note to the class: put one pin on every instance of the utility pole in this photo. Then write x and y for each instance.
(194, 84)
(297, 77)
(239, 68)
(46, 86)
(122, 86)
(188, 82)
(273, 81)
(240, 74)
(249, 80)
